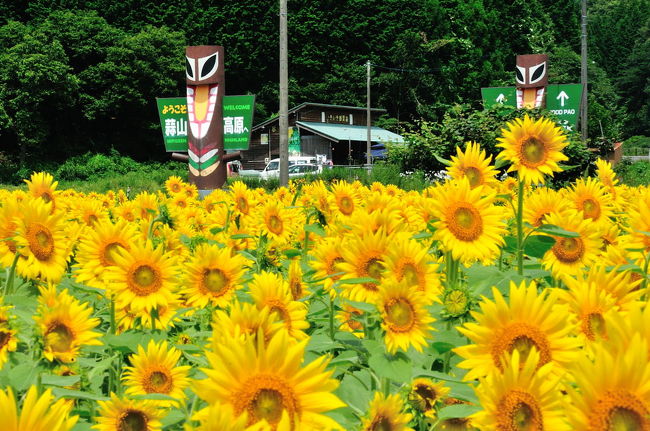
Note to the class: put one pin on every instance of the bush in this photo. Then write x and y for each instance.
(461, 124)
(633, 173)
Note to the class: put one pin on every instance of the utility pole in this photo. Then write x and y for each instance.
(583, 73)
(284, 99)
(368, 117)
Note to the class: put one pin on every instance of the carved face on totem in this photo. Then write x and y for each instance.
(204, 73)
(532, 78)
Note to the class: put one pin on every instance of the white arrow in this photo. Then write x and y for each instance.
(501, 98)
(562, 96)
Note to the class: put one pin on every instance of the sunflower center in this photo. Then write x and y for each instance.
(591, 209)
(215, 280)
(522, 337)
(47, 198)
(620, 410)
(4, 339)
(465, 223)
(41, 242)
(296, 288)
(374, 268)
(533, 152)
(242, 205)
(355, 325)
(144, 280)
(381, 423)
(59, 337)
(593, 325)
(275, 224)
(265, 397)
(176, 188)
(410, 273)
(427, 394)
(346, 205)
(279, 307)
(133, 420)
(400, 314)
(109, 251)
(568, 250)
(519, 411)
(158, 382)
(473, 175)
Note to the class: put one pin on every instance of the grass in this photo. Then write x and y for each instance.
(633, 173)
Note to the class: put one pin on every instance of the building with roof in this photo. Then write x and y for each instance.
(336, 132)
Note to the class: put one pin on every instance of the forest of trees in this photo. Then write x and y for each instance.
(78, 76)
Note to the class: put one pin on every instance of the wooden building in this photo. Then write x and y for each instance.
(339, 133)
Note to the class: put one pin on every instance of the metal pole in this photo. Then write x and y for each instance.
(583, 73)
(368, 118)
(284, 100)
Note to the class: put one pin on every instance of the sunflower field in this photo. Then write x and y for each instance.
(486, 301)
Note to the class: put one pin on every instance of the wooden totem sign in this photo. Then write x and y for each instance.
(204, 71)
(532, 78)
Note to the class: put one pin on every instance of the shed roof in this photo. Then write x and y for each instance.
(317, 105)
(347, 132)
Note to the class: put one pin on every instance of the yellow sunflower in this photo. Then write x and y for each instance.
(271, 290)
(9, 211)
(147, 205)
(8, 340)
(221, 417)
(524, 396)
(276, 221)
(405, 318)
(386, 413)
(569, 255)
(96, 250)
(326, 255)
(473, 164)
(533, 147)
(40, 240)
(590, 197)
(349, 317)
(639, 222)
(143, 277)
(89, 212)
(42, 186)
(542, 202)
(345, 198)
(294, 278)
(363, 257)
(127, 211)
(245, 320)
(174, 185)
(156, 371)
(266, 380)
(469, 225)
(528, 321)
(425, 395)
(38, 413)
(612, 389)
(606, 174)
(243, 199)
(212, 274)
(122, 414)
(408, 260)
(65, 325)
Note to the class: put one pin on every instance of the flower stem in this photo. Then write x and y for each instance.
(9, 284)
(520, 227)
(331, 317)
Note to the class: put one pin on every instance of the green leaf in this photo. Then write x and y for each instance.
(54, 380)
(437, 375)
(69, 393)
(315, 228)
(499, 163)
(291, 253)
(359, 280)
(396, 367)
(538, 245)
(241, 236)
(153, 396)
(441, 160)
(457, 411)
(551, 229)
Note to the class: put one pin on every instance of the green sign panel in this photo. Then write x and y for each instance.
(294, 141)
(563, 100)
(506, 96)
(237, 122)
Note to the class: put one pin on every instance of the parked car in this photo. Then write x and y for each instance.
(272, 169)
(302, 170)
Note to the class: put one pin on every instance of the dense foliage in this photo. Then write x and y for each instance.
(78, 76)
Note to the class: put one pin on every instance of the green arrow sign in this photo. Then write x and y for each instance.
(237, 122)
(506, 96)
(563, 100)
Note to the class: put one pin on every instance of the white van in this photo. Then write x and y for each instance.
(272, 169)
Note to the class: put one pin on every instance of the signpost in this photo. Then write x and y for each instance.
(563, 100)
(506, 96)
(237, 122)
